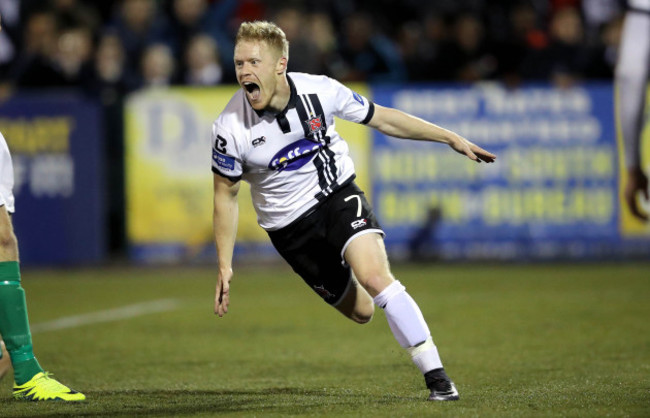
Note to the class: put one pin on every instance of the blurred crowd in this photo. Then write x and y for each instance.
(109, 48)
(112, 47)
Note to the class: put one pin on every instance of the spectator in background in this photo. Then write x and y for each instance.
(409, 39)
(565, 60)
(598, 14)
(37, 64)
(467, 56)
(108, 80)
(190, 18)
(420, 43)
(366, 54)
(109, 83)
(605, 52)
(435, 32)
(523, 34)
(76, 12)
(202, 66)
(138, 24)
(304, 53)
(323, 37)
(74, 53)
(157, 66)
(55, 55)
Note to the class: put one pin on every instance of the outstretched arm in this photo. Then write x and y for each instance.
(226, 213)
(398, 124)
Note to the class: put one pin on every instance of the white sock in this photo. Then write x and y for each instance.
(407, 324)
(425, 356)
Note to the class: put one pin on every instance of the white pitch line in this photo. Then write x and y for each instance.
(109, 315)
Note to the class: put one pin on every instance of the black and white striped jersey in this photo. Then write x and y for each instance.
(294, 159)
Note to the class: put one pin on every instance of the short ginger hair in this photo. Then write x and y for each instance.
(268, 32)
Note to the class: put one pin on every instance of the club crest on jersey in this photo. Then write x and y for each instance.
(294, 155)
(315, 124)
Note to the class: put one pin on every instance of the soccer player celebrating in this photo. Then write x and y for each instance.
(277, 133)
(632, 74)
(31, 382)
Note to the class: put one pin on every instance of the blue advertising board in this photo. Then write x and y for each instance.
(56, 144)
(553, 192)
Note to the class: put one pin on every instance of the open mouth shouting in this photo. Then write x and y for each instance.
(253, 90)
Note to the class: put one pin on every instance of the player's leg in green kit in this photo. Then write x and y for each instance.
(14, 325)
(31, 382)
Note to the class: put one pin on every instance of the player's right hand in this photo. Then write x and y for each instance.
(470, 149)
(222, 296)
(637, 182)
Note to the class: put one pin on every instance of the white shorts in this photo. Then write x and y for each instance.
(6, 177)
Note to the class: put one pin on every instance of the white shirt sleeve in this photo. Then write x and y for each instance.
(350, 105)
(226, 159)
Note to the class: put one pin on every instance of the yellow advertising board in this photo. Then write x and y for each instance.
(168, 166)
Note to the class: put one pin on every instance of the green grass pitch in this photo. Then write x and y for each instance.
(519, 340)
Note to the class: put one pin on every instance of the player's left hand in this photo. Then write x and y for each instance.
(471, 150)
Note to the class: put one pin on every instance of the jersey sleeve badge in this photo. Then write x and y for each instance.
(222, 161)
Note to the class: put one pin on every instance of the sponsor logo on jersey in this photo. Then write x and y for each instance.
(358, 223)
(324, 293)
(294, 156)
(259, 141)
(223, 161)
(357, 97)
(315, 124)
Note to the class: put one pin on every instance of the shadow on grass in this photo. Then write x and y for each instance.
(280, 401)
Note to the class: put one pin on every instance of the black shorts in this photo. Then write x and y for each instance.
(314, 245)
